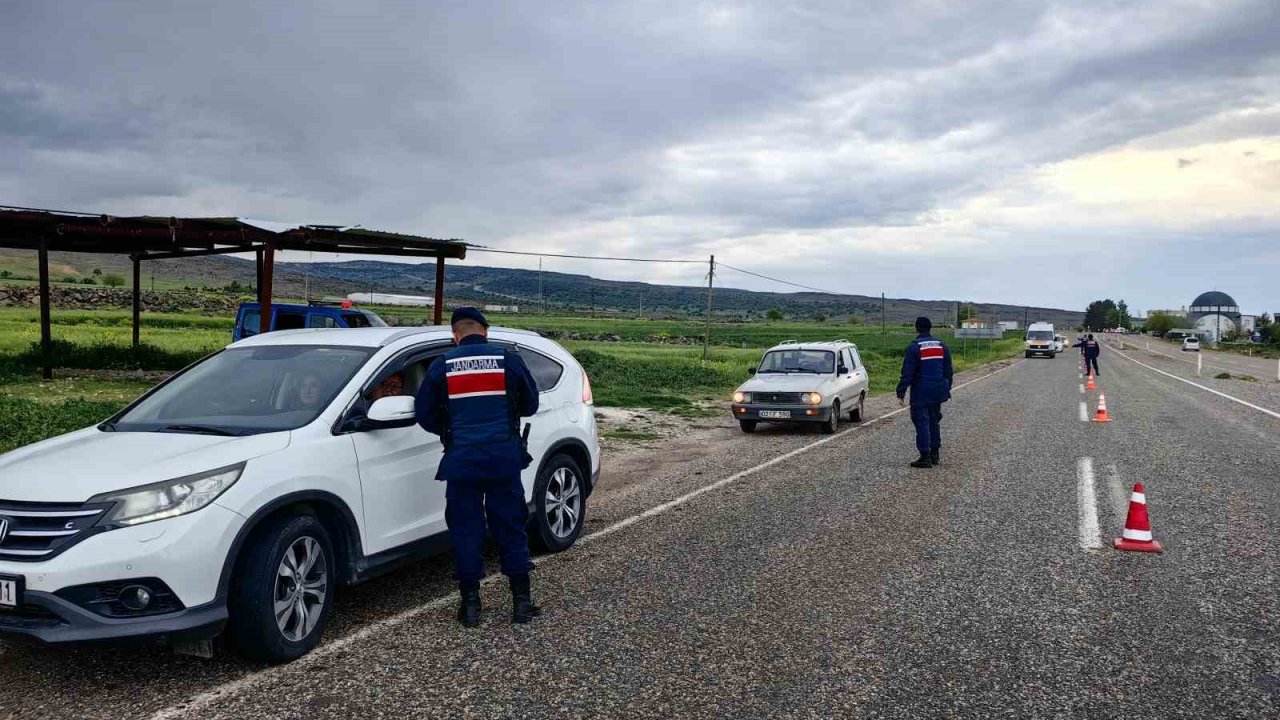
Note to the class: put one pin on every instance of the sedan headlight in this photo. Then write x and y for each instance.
(812, 398)
(741, 397)
(167, 499)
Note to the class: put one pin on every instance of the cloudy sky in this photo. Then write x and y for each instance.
(1023, 152)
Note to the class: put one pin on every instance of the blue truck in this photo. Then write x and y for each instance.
(293, 317)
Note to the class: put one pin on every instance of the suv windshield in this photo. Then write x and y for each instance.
(810, 361)
(246, 391)
(1039, 334)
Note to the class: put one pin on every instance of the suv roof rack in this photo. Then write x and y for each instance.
(789, 342)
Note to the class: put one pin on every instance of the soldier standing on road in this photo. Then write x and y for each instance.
(926, 371)
(1090, 348)
(473, 398)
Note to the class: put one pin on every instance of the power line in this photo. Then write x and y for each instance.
(581, 257)
(780, 280)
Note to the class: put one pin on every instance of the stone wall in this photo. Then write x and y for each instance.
(99, 298)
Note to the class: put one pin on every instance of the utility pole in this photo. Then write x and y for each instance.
(1026, 314)
(882, 326)
(706, 338)
(542, 300)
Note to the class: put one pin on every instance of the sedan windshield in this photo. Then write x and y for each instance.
(246, 391)
(805, 361)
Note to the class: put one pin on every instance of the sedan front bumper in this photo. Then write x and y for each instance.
(795, 413)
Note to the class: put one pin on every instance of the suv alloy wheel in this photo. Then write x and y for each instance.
(559, 504)
(283, 592)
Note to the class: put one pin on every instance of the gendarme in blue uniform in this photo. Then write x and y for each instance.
(473, 398)
(927, 373)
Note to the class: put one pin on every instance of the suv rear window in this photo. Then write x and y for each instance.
(546, 372)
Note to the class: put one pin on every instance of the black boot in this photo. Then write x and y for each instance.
(522, 608)
(933, 457)
(923, 462)
(469, 604)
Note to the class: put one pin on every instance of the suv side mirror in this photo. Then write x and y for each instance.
(842, 370)
(394, 411)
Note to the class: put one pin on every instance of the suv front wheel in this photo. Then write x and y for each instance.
(830, 426)
(559, 504)
(283, 592)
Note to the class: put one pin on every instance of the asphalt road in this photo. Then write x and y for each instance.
(835, 581)
(1262, 368)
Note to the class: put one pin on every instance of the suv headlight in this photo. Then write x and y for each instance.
(741, 397)
(812, 398)
(167, 499)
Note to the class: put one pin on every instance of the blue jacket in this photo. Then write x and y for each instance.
(1090, 348)
(926, 370)
(473, 398)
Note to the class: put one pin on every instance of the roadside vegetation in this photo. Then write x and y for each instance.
(636, 363)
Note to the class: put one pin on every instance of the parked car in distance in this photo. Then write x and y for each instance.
(813, 382)
(1040, 340)
(295, 317)
(1059, 343)
(238, 494)
(1190, 344)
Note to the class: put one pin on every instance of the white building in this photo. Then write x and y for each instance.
(377, 298)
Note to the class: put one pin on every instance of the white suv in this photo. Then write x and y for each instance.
(812, 382)
(240, 492)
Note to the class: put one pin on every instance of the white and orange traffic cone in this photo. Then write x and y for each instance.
(1137, 527)
(1091, 386)
(1101, 415)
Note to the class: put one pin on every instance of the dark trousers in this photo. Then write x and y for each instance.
(1091, 361)
(928, 422)
(501, 500)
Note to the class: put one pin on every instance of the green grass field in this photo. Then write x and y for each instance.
(651, 367)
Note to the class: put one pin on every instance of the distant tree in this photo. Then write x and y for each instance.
(774, 315)
(88, 281)
(854, 319)
(1099, 315)
(820, 317)
(1161, 323)
(70, 279)
(97, 272)
(5, 274)
(112, 280)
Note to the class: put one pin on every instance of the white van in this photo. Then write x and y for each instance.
(1040, 340)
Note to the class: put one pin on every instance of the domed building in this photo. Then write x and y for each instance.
(1213, 315)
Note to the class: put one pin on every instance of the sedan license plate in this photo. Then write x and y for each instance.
(775, 413)
(10, 591)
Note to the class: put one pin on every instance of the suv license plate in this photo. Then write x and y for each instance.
(775, 413)
(10, 591)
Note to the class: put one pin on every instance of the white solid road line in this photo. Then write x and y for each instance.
(1084, 412)
(1232, 398)
(1090, 536)
(234, 687)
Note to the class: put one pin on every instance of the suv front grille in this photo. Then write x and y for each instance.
(34, 531)
(782, 398)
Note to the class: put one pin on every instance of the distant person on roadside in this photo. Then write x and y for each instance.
(927, 373)
(1090, 349)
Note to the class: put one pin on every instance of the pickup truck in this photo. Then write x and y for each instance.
(294, 317)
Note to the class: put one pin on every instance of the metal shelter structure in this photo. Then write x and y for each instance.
(158, 238)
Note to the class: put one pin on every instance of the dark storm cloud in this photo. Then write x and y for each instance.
(652, 127)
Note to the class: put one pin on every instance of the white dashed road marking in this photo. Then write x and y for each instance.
(1084, 412)
(1090, 536)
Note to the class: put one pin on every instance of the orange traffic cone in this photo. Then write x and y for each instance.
(1091, 386)
(1101, 415)
(1137, 527)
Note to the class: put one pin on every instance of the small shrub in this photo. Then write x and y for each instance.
(113, 280)
(88, 281)
(1223, 376)
(1248, 378)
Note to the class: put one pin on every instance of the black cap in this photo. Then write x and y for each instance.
(923, 324)
(468, 313)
